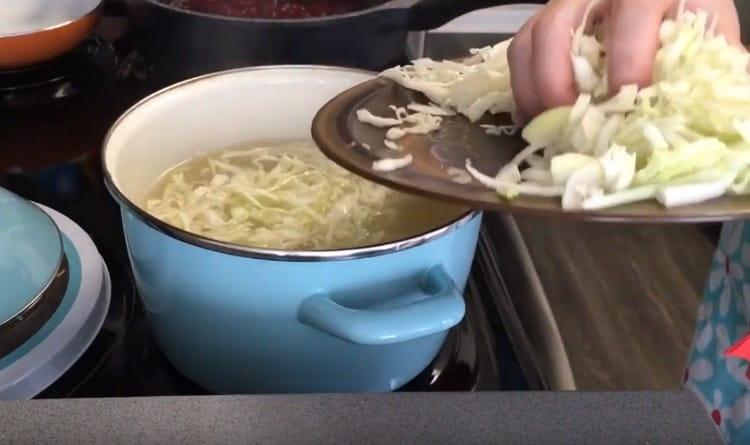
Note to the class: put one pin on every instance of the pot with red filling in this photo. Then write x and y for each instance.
(279, 9)
(183, 38)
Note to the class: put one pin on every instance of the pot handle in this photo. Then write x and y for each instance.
(430, 14)
(441, 308)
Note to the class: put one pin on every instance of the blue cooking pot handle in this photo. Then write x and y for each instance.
(441, 308)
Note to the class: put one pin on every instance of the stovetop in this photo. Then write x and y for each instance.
(52, 122)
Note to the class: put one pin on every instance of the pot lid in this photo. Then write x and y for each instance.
(77, 318)
(30, 254)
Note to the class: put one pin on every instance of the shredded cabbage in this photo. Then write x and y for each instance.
(390, 164)
(284, 197)
(684, 139)
(681, 141)
(500, 130)
(392, 145)
(479, 85)
(377, 121)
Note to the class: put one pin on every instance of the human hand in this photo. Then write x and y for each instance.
(539, 56)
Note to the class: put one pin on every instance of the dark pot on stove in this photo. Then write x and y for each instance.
(181, 43)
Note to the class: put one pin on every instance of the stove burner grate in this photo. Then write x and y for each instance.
(92, 65)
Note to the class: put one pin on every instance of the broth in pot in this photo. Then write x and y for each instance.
(289, 196)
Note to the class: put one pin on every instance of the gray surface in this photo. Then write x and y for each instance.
(466, 418)
(743, 10)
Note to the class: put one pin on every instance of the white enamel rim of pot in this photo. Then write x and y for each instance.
(24, 17)
(115, 143)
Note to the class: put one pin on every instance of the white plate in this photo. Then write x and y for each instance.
(46, 356)
(506, 19)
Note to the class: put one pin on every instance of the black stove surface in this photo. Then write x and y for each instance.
(50, 153)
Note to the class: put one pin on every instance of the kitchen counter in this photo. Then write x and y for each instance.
(627, 320)
(593, 320)
(466, 418)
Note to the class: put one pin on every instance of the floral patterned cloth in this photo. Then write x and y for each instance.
(721, 382)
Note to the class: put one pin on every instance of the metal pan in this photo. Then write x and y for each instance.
(34, 31)
(181, 43)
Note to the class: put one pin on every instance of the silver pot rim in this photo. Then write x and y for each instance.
(386, 5)
(255, 252)
(58, 270)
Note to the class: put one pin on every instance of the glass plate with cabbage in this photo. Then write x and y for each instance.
(683, 140)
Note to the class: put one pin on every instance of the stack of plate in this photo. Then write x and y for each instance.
(54, 295)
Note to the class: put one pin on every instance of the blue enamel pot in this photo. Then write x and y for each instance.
(236, 319)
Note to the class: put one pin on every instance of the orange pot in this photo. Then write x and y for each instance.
(30, 48)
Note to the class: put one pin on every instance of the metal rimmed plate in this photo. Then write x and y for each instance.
(336, 128)
(21, 328)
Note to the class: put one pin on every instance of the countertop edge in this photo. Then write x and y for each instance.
(486, 417)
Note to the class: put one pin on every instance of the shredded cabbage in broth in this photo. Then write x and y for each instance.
(287, 196)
